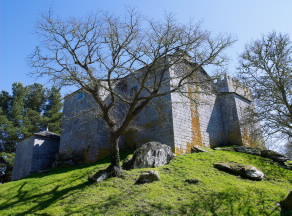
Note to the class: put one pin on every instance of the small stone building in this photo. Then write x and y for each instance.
(35, 153)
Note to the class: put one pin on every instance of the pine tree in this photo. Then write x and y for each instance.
(29, 110)
(53, 110)
(17, 110)
(5, 102)
(36, 96)
(11, 116)
(5, 124)
(35, 100)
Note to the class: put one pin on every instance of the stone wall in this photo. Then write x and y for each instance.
(230, 119)
(196, 115)
(211, 120)
(34, 154)
(44, 152)
(154, 122)
(84, 134)
(87, 136)
(23, 159)
(180, 120)
(235, 99)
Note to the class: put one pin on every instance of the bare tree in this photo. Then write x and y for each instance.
(96, 53)
(266, 67)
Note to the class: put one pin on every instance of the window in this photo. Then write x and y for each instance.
(80, 95)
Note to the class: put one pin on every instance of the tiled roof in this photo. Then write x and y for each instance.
(48, 134)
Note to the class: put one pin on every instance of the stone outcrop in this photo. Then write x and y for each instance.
(273, 155)
(148, 177)
(150, 155)
(196, 149)
(225, 148)
(98, 177)
(243, 170)
(248, 150)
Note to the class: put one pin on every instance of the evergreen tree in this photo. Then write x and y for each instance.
(53, 110)
(5, 102)
(36, 96)
(35, 100)
(11, 116)
(29, 110)
(33, 122)
(17, 110)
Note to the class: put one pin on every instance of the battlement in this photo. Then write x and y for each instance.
(230, 84)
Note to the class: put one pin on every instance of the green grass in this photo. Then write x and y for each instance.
(67, 192)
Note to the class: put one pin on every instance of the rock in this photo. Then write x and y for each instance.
(243, 170)
(197, 150)
(224, 148)
(150, 155)
(286, 205)
(248, 150)
(148, 177)
(275, 156)
(99, 176)
(193, 181)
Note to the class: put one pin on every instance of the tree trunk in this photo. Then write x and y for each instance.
(115, 169)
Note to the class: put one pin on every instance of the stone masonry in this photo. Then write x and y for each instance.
(208, 115)
(178, 120)
(35, 153)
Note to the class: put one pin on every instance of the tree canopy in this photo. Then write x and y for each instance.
(266, 67)
(28, 110)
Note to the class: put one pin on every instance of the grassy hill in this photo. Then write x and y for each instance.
(66, 191)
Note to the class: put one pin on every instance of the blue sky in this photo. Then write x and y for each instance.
(244, 19)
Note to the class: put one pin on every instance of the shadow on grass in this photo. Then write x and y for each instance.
(40, 201)
(231, 203)
(54, 171)
(43, 200)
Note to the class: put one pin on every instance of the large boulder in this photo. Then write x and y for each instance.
(275, 156)
(243, 170)
(148, 177)
(248, 150)
(150, 155)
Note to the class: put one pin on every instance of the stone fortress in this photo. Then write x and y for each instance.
(178, 120)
